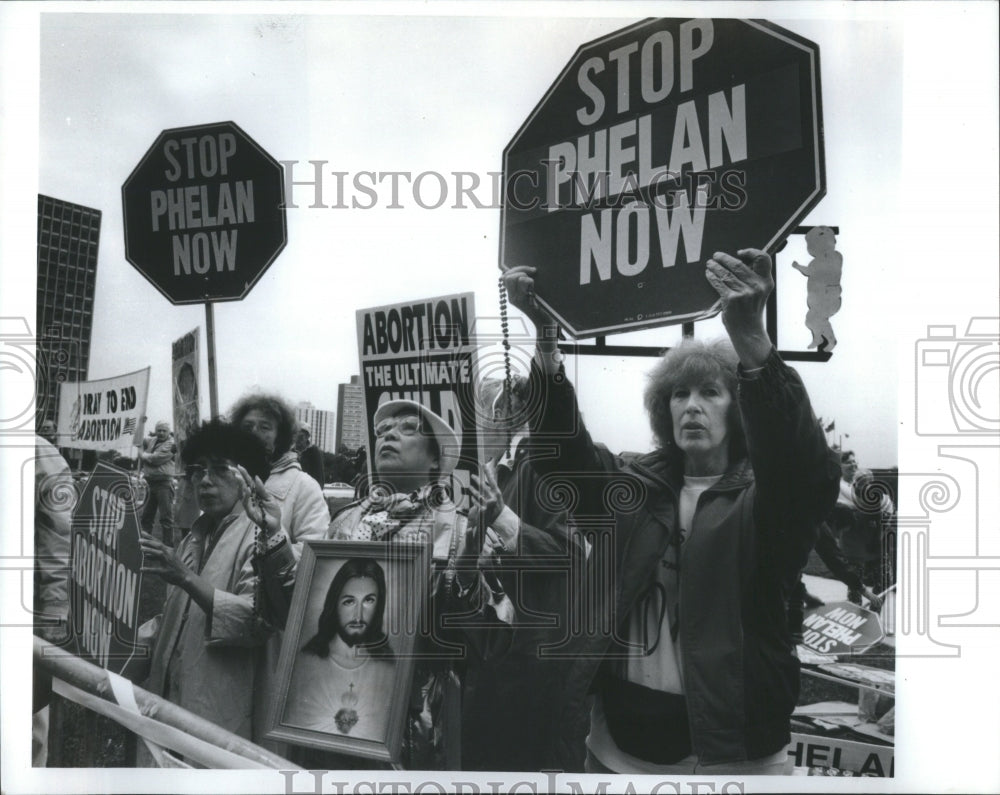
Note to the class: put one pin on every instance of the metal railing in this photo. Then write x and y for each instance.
(160, 722)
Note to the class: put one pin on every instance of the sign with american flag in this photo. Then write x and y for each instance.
(104, 414)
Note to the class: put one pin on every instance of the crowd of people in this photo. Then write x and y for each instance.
(645, 633)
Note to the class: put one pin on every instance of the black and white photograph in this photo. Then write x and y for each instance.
(584, 396)
(343, 679)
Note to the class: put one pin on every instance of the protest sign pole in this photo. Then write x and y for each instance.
(213, 386)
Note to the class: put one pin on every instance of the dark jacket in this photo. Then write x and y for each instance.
(829, 552)
(751, 536)
(510, 717)
(311, 461)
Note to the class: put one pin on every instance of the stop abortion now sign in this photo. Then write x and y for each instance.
(204, 213)
(841, 628)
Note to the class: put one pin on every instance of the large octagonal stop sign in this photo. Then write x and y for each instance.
(204, 213)
(656, 146)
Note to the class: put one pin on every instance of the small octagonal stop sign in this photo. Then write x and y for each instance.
(204, 213)
(656, 146)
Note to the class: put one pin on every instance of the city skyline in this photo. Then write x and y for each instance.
(322, 424)
(68, 246)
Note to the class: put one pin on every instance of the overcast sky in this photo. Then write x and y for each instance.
(910, 107)
(440, 94)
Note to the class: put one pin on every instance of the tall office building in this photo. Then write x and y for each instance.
(68, 236)
(351, 432)
(322, 423)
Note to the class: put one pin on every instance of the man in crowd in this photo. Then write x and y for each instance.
(157, 462)
(849, 543)
(47, 430)
(310, 457)
(863, 511)
(699, 673)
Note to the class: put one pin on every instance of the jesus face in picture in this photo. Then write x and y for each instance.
(353, 612)
(356, 606)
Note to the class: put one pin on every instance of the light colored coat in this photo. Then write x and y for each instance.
(304, 512)
(157, 458)
(213, 665)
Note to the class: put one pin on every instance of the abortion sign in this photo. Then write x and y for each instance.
(105, 571)
(105, 414)
(423, 351)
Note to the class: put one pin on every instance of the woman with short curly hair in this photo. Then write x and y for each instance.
(303, 509)
(693, 361)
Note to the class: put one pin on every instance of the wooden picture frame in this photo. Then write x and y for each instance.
(332, 703)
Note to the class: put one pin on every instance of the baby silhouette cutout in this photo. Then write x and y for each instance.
(823, 286)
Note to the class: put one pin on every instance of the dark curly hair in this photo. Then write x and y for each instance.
(220, 439)
(693, 361)
(275, 407)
